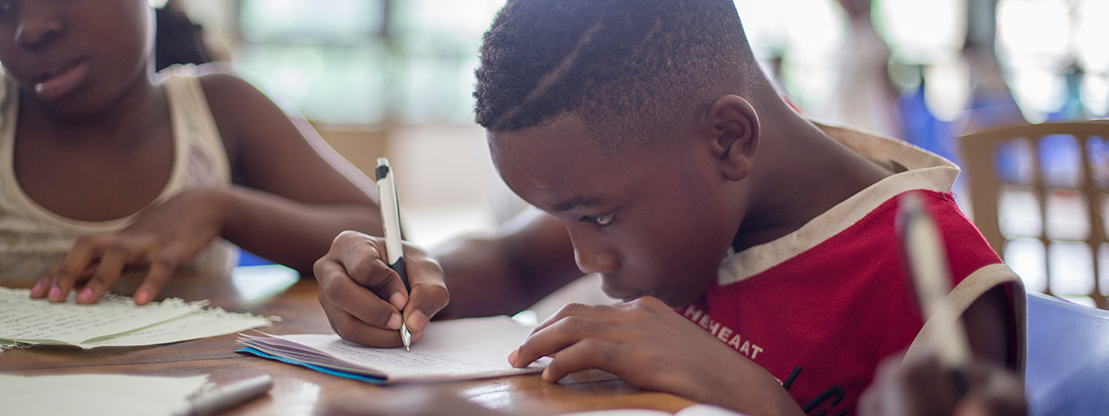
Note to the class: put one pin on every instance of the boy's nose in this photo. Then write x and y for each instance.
(594, 259)
(37, 26)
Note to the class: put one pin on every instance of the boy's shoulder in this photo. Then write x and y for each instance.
(911, 168)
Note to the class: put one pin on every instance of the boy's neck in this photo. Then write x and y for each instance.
(803, 173)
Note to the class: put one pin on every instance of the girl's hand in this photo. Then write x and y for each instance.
(647, 344)
(163, 237)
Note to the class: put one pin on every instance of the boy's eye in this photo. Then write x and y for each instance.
(601, 220)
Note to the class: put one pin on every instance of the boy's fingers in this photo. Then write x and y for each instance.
(351, 248)
(355, 330)
(584, 355)
(345, 295)
(559, 336)
(427, 300)
(362, 261)
(374, 275)
(594, 312)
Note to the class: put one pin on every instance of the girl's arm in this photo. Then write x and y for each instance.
(293, 193)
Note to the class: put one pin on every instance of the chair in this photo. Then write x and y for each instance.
(1067, 369)
(979, 153)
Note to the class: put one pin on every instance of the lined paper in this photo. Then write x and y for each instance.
(449, 350)
(114, 321)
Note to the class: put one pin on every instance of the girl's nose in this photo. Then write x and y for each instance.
(38, 25)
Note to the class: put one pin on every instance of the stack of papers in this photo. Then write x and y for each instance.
(113, 321)
(452, 350)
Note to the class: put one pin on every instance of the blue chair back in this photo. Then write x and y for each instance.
(1067, 372)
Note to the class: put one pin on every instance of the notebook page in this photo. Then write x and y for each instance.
(39, 321)
(450, 350)
(201, 324)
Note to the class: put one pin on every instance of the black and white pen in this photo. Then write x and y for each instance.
(390, 221)
(931, 276)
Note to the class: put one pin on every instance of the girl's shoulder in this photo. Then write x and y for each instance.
(235, 104)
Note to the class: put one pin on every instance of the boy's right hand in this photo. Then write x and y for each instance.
(363, 297)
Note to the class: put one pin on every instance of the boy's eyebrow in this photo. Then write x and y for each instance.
(579, 201)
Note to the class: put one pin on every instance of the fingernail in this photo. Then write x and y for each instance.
(55, 293)
(86, 295)
(36, 289)
(547, 374)
(142, 297)
(416, 320)
(397, 300)
(512, 356)
(394, 321)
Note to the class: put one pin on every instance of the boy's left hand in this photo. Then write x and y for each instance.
(162, 237)
(647, 344)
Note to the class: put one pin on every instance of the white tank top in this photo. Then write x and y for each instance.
(32, 238)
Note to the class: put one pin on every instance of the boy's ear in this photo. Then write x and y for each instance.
(734, 126)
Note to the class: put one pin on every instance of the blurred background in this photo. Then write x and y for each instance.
(394, 78)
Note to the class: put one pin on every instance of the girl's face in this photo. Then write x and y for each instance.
(76, 57)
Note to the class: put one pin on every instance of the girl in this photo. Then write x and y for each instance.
(106, 165)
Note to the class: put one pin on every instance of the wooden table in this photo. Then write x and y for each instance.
(299, 391)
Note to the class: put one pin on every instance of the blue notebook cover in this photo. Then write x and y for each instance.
(353, 376)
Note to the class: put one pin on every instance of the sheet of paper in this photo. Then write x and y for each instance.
(200, 324)
(39, 321)
(450, 350)
(95, 394)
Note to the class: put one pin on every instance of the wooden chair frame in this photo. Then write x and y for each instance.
(985, 187)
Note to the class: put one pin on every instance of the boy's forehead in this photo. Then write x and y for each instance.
(562, 159)
(564, 139)
(571, 134)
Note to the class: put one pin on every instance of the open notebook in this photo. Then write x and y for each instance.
(114, 321)
(449, 350)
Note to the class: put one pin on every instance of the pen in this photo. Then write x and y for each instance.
(390, 221)
(931, 275)
(210, 402)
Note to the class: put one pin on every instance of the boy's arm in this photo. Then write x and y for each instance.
(530, 257)
(988, 329)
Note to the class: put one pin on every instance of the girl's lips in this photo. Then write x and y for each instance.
(63, 80)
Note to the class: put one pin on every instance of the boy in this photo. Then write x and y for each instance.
(648, 130)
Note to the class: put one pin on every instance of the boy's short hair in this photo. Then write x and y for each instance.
(618, 64)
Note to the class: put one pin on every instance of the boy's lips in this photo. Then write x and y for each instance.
(62, 79)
